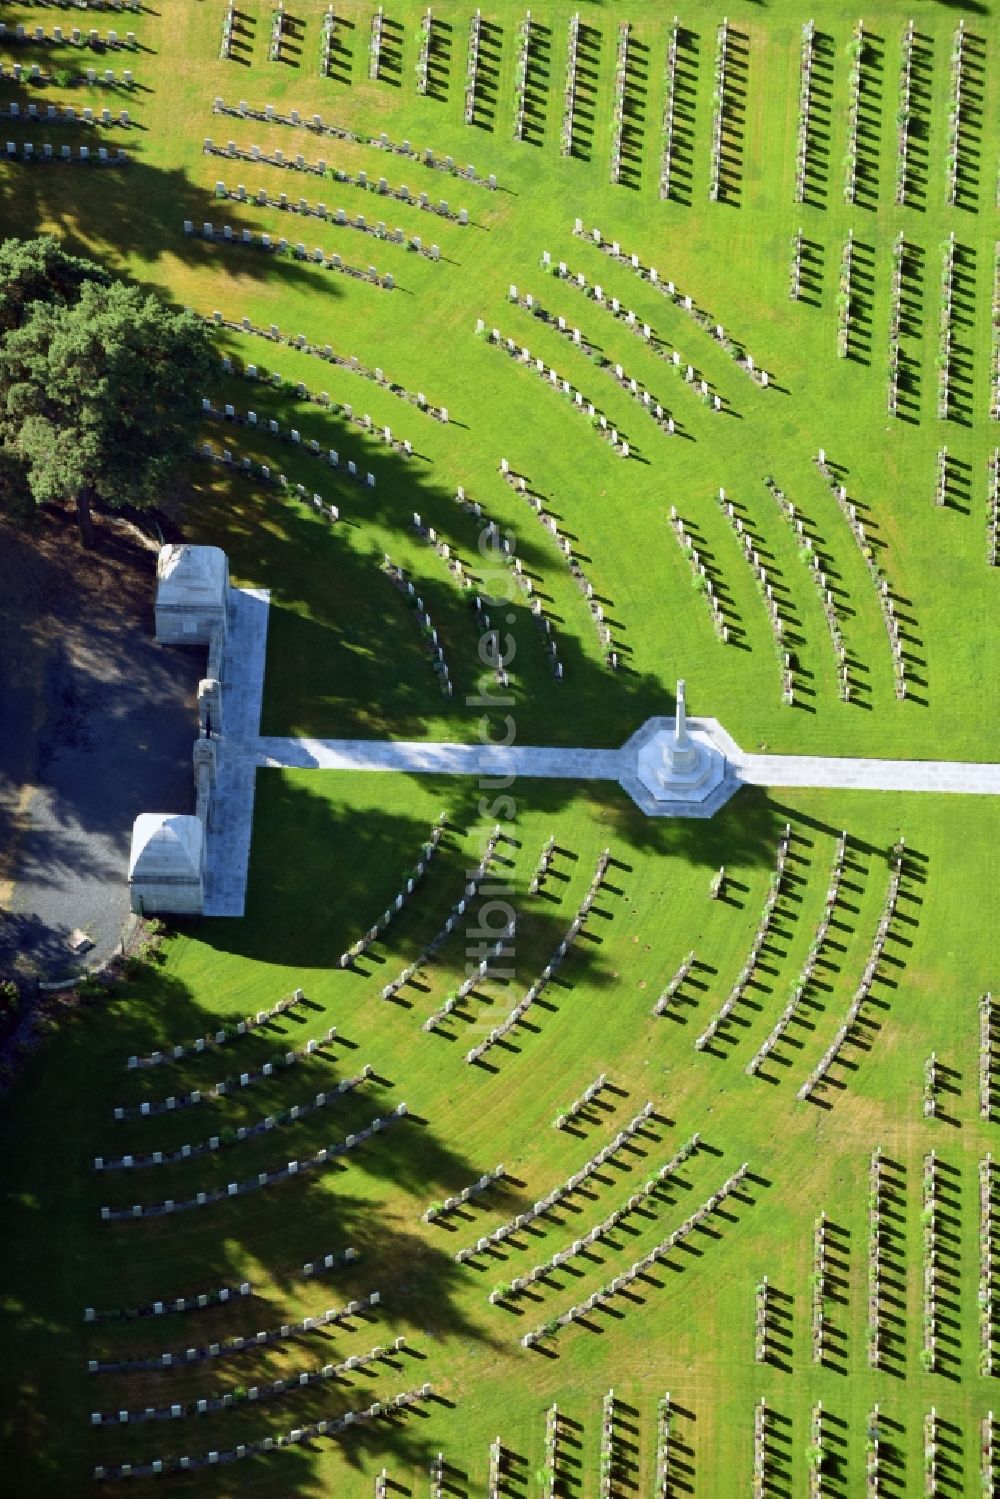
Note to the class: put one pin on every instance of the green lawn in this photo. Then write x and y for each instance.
(345, 657)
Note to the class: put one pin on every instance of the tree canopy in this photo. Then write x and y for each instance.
(39, 270)
(100, 385)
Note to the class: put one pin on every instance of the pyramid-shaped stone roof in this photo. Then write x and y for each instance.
(166, 846)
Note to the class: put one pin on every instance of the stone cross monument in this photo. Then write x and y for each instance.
(681, 752)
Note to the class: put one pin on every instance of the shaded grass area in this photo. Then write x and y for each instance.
(688, 1326)
(330, 852)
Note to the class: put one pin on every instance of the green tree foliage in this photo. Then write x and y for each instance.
(15, 496)
(39, 270)
(100, 385)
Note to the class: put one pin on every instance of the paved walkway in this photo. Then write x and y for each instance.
(227, 851)
(441, 759)
(964, 777)
(812, 771)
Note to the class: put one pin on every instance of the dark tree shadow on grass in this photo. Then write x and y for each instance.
(336, 655)
(50, 1196)
(303, 841)
(117, 214)
(305, 828)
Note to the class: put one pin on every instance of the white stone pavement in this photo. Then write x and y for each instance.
(811, 771)
(969, 778)
(440, 759)
(227, 845)
(244, 751)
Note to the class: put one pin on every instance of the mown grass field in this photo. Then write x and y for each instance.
(329, 851)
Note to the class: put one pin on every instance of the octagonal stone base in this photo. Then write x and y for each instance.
(662, 792)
